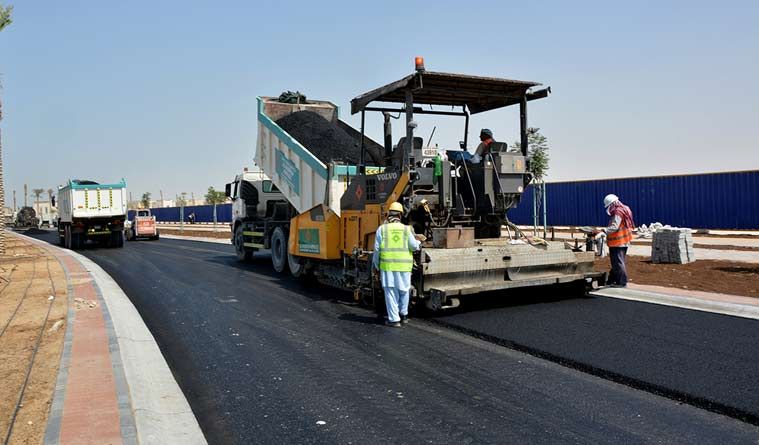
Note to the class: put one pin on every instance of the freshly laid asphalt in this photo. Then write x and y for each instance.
(266, 358)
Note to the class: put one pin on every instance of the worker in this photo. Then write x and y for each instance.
(394, 244)
(486, 138)
(619, 237)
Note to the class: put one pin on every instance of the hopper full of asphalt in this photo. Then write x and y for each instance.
(326, 140)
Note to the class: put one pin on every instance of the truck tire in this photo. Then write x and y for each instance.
(279, 250)
(77, 241)
(67, 236)
(243, 253)
(297, 269)
(117, 239)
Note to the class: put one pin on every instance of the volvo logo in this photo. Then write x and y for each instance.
(387, 176)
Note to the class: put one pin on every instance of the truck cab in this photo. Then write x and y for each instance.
(257, 205)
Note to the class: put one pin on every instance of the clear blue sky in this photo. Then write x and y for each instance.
(162, 93)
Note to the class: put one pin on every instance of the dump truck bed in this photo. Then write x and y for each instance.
(304, 179)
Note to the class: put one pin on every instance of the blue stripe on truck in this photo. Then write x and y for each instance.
(291, 143)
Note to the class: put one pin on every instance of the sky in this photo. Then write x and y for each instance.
(163, 93)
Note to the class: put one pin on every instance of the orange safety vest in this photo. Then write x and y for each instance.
(487, 143)
(621, 236)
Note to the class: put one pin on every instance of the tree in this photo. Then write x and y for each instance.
(145, 201)
(5, 16)
(537, 151)
(5, 20)
(37, 193)
(213, 197)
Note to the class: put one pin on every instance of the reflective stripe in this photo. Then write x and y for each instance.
(247, 233)
(399, 249)
(621, 236)
(253, 245)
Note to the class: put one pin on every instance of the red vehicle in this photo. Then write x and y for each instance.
(142, 225)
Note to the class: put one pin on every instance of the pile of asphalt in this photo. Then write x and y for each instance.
(326, 140)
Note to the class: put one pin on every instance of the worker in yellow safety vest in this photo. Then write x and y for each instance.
(618, 238)
(394, 244)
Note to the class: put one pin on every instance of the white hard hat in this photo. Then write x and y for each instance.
(610, 199)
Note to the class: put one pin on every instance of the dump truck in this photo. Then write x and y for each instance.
(333, 200)
(141, 225)
(91, 211)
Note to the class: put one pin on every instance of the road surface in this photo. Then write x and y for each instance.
(266, 358)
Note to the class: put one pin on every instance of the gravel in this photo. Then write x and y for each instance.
(326, 140)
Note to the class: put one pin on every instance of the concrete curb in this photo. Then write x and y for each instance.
(198, 238)
(160, 411)
(685, 302)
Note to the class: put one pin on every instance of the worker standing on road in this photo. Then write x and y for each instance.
(394, 244)
(619, 237)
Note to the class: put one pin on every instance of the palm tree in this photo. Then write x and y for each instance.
(37, 193)
(5, 20)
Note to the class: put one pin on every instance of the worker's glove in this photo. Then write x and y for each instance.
(420, 237)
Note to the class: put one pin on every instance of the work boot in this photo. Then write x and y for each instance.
(393, 324)
(404, 319)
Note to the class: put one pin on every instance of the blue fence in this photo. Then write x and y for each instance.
(705, 201)
(203, 213)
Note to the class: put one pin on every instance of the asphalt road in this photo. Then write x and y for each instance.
(262, 358)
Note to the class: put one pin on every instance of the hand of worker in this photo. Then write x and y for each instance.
(420, 237)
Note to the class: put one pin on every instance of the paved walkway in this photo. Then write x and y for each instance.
(113, 385)
(734, 305)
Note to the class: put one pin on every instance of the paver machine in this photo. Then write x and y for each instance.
(461, 205)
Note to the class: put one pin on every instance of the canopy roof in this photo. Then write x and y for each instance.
(477, 93)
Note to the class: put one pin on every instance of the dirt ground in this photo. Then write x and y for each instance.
(222, 233)
(704, 275)
(28, 277)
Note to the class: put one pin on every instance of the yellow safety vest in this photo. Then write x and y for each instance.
(395, 255)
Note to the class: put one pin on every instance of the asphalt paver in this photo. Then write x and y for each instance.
(265, 358)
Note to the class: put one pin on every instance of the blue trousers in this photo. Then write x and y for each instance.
(618, 274)
(396, 301)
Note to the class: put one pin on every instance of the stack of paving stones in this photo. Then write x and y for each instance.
(673, 245)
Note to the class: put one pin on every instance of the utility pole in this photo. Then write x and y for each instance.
(192, 194)
(161, 193)
(14, 201)
(26, 194)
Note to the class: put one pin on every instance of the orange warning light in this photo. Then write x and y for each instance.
(419, 62)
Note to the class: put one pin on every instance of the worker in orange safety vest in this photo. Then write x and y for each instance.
(618, 238)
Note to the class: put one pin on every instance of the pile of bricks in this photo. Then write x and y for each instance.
(673, 245)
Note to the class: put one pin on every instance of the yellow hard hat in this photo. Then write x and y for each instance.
(396, 207)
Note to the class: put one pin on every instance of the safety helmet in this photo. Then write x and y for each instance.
(396, 207)
(610, 199)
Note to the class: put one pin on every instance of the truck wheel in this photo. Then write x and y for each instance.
(279, 250)
(117, 239)
(67, 236)
(297, 269)
(77, 241)
(243, 253)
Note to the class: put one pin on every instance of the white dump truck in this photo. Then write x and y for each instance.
(91, 211)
